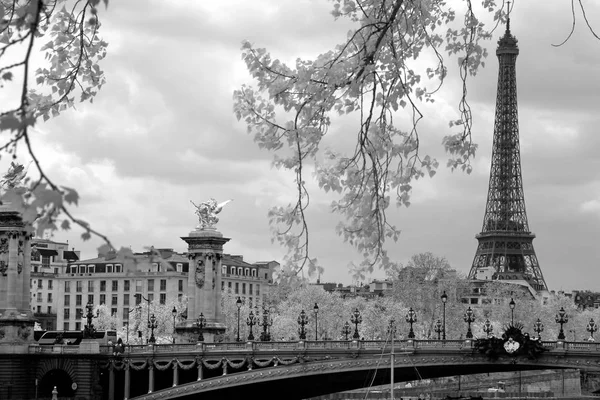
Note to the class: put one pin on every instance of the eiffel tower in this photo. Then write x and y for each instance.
(505, 250)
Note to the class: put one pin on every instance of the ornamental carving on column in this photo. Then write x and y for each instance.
(200, 274)
(3, 255)
(20, 257)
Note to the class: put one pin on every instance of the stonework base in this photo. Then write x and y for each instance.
(16, 327)
(188, 332)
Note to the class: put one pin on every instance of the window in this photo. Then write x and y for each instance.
(77, 326)
(181, 285)
(179, 267)
(102, 299)
(109, 268)
(250, 302)
(39, 309)
(115, 286)
(78, 300)
(232, 271)
(222, 285)
(103, 286)
(229, 286)
(55, 270)
(90, 298)
(138, 299)
(45, 261)
(139, 285)
(39, 297)
(126, 285)
(91, 286)
(91, 269)
(65, 326)
(78, 286)
(49, 297)
(243, 288)
(78, 313)
(125, 299)
(163, 298)
(151, 285)
(240, 271)
(150, 297)
(67, 300)
(258, 290)
(118, 268)
(266, 276)
(254, 272)
(237, 288)
(247, 272)
(114, 300)
(250, 289)
(50, 284)
(163, 285)
(40, 284)
(67, 313)
(126, 314)
(224, 269)
(154, 267)
(113, 312)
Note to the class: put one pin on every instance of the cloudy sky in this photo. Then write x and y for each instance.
(162, 133)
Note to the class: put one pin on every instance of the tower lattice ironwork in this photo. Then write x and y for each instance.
(505, 250)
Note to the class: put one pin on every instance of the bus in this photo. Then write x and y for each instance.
(75, 337)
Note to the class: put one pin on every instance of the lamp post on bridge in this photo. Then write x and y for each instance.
(538, 328)
(411, 318)
(201, 323)
(238, 303)
(469, 319)
(356, 319)
(302, 321)
(89, 330)
(438, 328)
(152, 325)
(591, 328)
(346, 330)
(561, 318)
(512, 305)
(444, 300)
(251, 321)
(488, 327)
(316, 311)
(267, 321)
(174, 313)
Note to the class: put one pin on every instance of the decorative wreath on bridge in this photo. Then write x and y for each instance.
(513, 342)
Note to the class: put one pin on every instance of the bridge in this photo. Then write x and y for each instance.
(300, 370)
(263, 370)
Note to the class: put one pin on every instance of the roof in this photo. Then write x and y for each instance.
(235, 261)
(47, 252)
(70, 255)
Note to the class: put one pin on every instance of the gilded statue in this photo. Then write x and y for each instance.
(207, 212)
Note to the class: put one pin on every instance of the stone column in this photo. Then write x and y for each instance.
(11, 272)
(199, 370)
(111, 382)
(26, 273)
(175, 373)
(205, 250)
(127, 387)
(150, 378)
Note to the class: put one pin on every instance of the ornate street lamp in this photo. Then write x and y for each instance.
(411, 318)
(538, 327)
(561, 318)
(89, 330)
(152, 325)
(302, 321)
(444, 300)
(238, 303)
(174, 313)
(488, 327)
(316, 311)
(591, 328)
(356, 319)
(391, 329)
(438, 328)
(512, 311)
(251, 321)
(346, 330)
(267, 321)
(201, 323)
(469, 319)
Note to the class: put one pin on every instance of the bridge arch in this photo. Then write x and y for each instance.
(59, 372)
